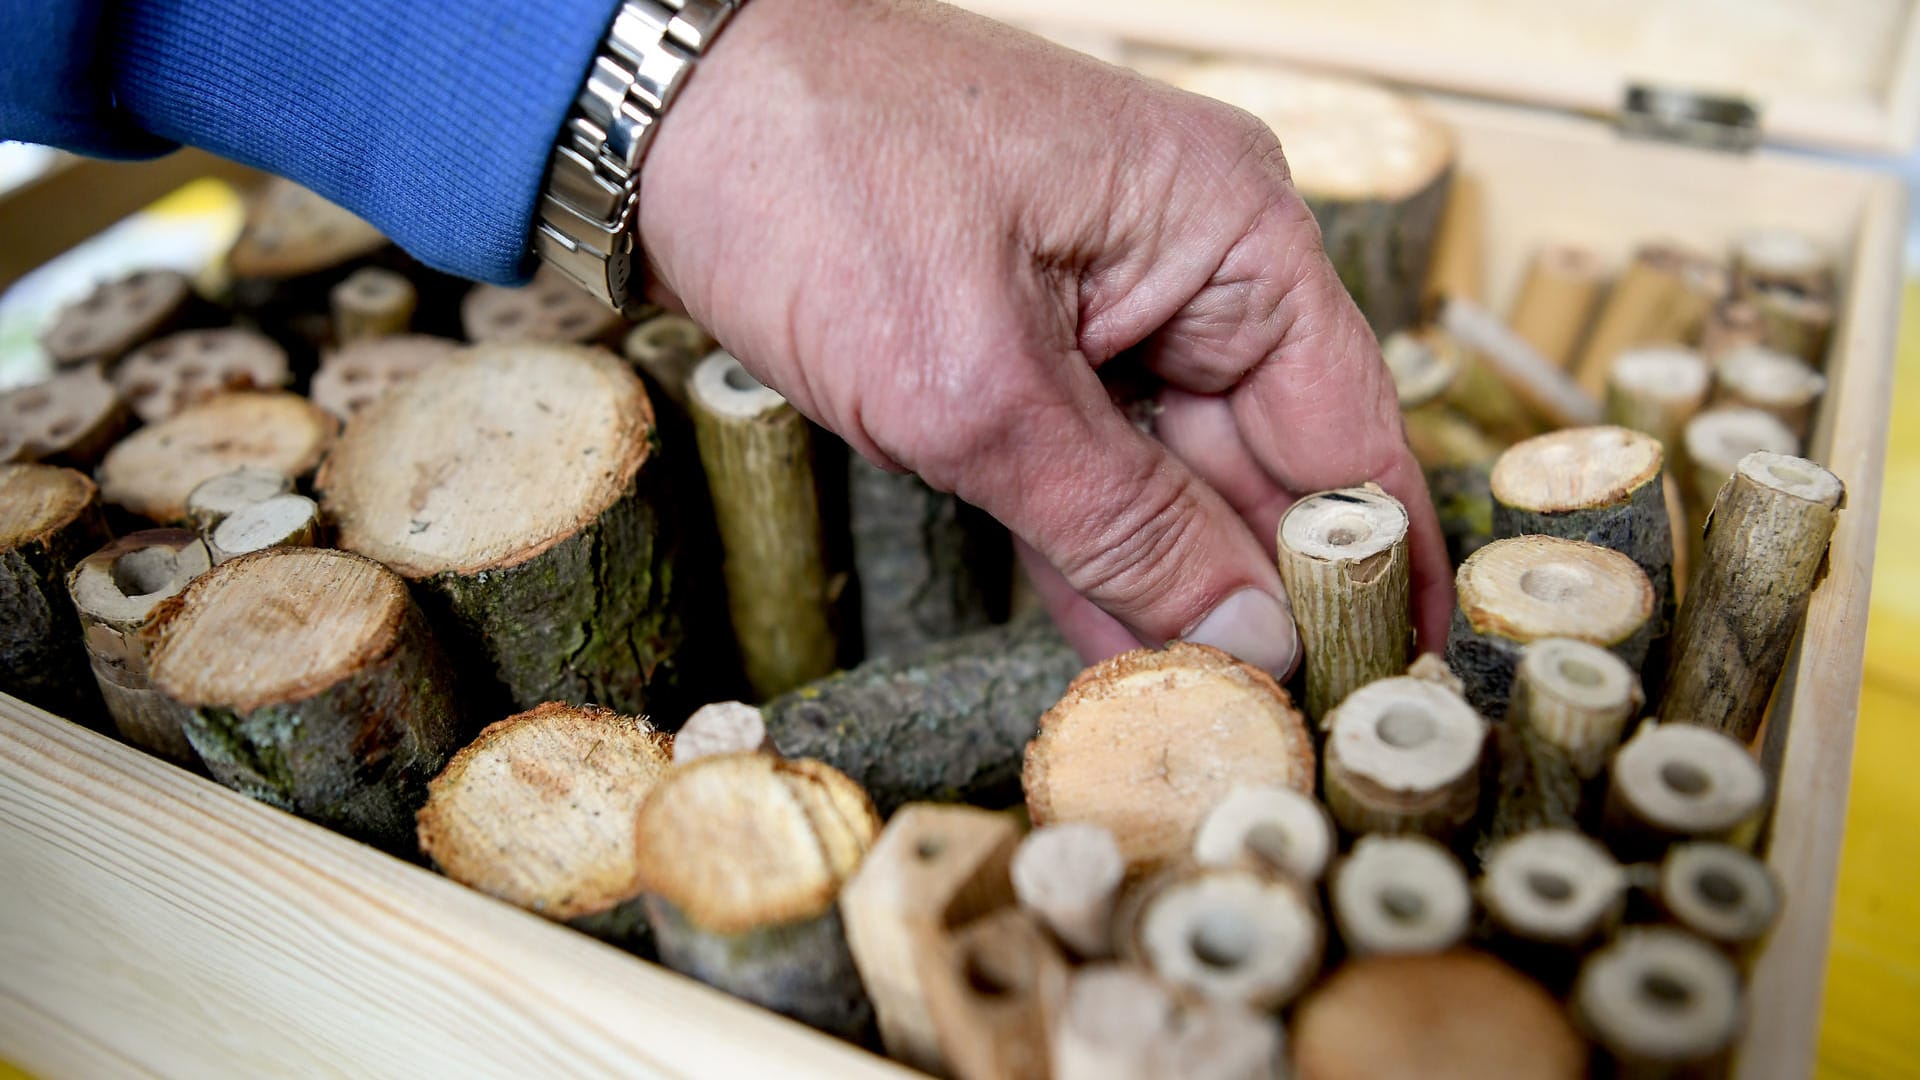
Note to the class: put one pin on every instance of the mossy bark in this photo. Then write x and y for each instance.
(929, 566)
(42, 659)
(948, 724)
(356, 756)
(800, 969)
(1381, 249)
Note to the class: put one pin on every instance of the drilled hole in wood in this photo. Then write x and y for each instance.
(1269, 843)
(1221, 939)
(145, 571)
(1665, 992)
(1549, 886)
(61, 430)
(31, 401)
(553, 299)
(192, 372)
(160, 350)
(1402, 904)
(929, 848)
(1554, 582)
(991, 976)
(1719, 888)
(507, 318)
(1685, 778)
(1405, 727)
(352, 375)
(1579, 672)
(573, 322)
(1790, 474)
(1348, 529)
(143, 389)
(738, 379)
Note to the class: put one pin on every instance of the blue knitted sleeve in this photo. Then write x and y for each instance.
(432, 119)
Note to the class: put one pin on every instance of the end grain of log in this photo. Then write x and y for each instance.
(217, 498)
(1715, 441)
(742, 857)
(518, 488)
(1660, 1002)
(355, 376)
(1400, 894)
(1115, 1023)
(933, 869)
(550, 309)
(1557, 301)
(1453, 1014)
(1662, 297)
(1719, 893)
(120, 314)
(1783, 259)
(949, 724)
(315, 686)
(71, 418)
(1794, 324)
(538, 811)
(49, 520)
(1147, 742)
(1553, 888)
(371, 303)
(667, 348)
(1765, 547)
(1518, 591)
(118, 591)
(1403, 756)
(722, 727)
(1782, 386)
(1657, 389)
(1068, 876)
(995, 988)
(152, 471)
(165, 376)
(929, 566)
(1679, 781)
(1571, 705)
(282, 521)
(1276, 829)
(1343, 557)
(1224, 935)
(757, 451)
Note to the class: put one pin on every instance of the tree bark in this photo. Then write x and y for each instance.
(1400, 894)
(1457, 458)
(1343, 557)
(947, 725)
(154, 470)
(929, 566)
(314, 686)
(49, 520)
(1403, 756)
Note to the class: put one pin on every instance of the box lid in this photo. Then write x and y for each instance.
(1841, 74)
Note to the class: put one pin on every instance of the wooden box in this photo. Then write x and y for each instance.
(154, 923)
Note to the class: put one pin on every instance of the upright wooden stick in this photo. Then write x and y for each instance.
(1557, 300)
(1116, 1022)
(1343, 557)
(49, 520)
(1277, 829)
(1457, 459)
(1794, 324)
(165, 376)
(1657, 389)
(1549, 392)
(1068, 876)
(1400, 894)
(1782, 386)
(1571, 705)
(1458, 267)
(371, 303)
(1720, 893)
(758, 453)
(1224, 934)
(1660, 1002)
(1783, 259)
(1403, 756)
(668, 348)
(1663, 296)
(722, 727)
(1677, 781)
(1554, 888)
(1765, 546)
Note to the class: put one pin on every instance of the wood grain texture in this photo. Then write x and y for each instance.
(287, 939)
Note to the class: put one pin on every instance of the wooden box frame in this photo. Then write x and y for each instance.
(153, 923)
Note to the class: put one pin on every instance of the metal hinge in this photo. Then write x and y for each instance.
(1685, 116)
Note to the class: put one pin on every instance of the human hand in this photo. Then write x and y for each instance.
(930, 232)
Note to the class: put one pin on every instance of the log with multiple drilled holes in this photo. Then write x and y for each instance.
(71, 418)
(153, 471)
(1374, 167)
(49, 520)
(1344, 559)
(1765, 547)
(1571, 704)
(538, 811)
(165, 376)
(517, 489)
(121, 314)
(1517, 591)
(929, 566)
(356, 375)
(293, 248)
(550, 309)
(1147, 742)
(1403, 756)
(948, 724)
(757, 452)
(314, 686)
(118, 591)
(742, 857)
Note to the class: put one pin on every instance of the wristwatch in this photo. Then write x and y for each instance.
(585, 217)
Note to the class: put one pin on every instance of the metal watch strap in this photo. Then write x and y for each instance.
(585, 216)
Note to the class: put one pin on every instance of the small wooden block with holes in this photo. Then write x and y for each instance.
(118, 315)
(291, 232)
(72, 417)
(550, 308)
(162, 377)
(355, 376)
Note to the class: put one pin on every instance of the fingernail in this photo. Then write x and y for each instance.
(1255, 627)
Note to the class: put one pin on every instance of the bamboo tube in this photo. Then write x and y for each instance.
(1116, 1023)
(1657, 389)
(1794, 324)
(1662, 296)
(722, 727)
(1403, 756)
(518, 489)
(1343, 557)
(1458, 265)
(1478, 392)
(1452, 1014)
(152, 471)
(314, 686)
(1552, 890)
(217, 498)
(742, 857)
(1400, 894)
(758, 454)
(1422, 370)
(1720, 894)
(550, 310)
(1765, 546)
(1068, 876)
(1571, 705)
(71, 418)
(49, 520)
(950, 723)
(667, 348)
(1149, 741)
(282, 521)
(372, 303)
(1731, 324)
(929, 566)
(1546, 390)
(357, 375)
(1223, 934)
(1275, 829)
(995, 989)
(1457, 459)
(538, 811)
(1782, 259)
(1518, 591)
(118, 592)
(1557, 300)
(1777, 384)
(932, 869)
(1659, 1002)
(120, 314)
(166, 375)
(1679, 781)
